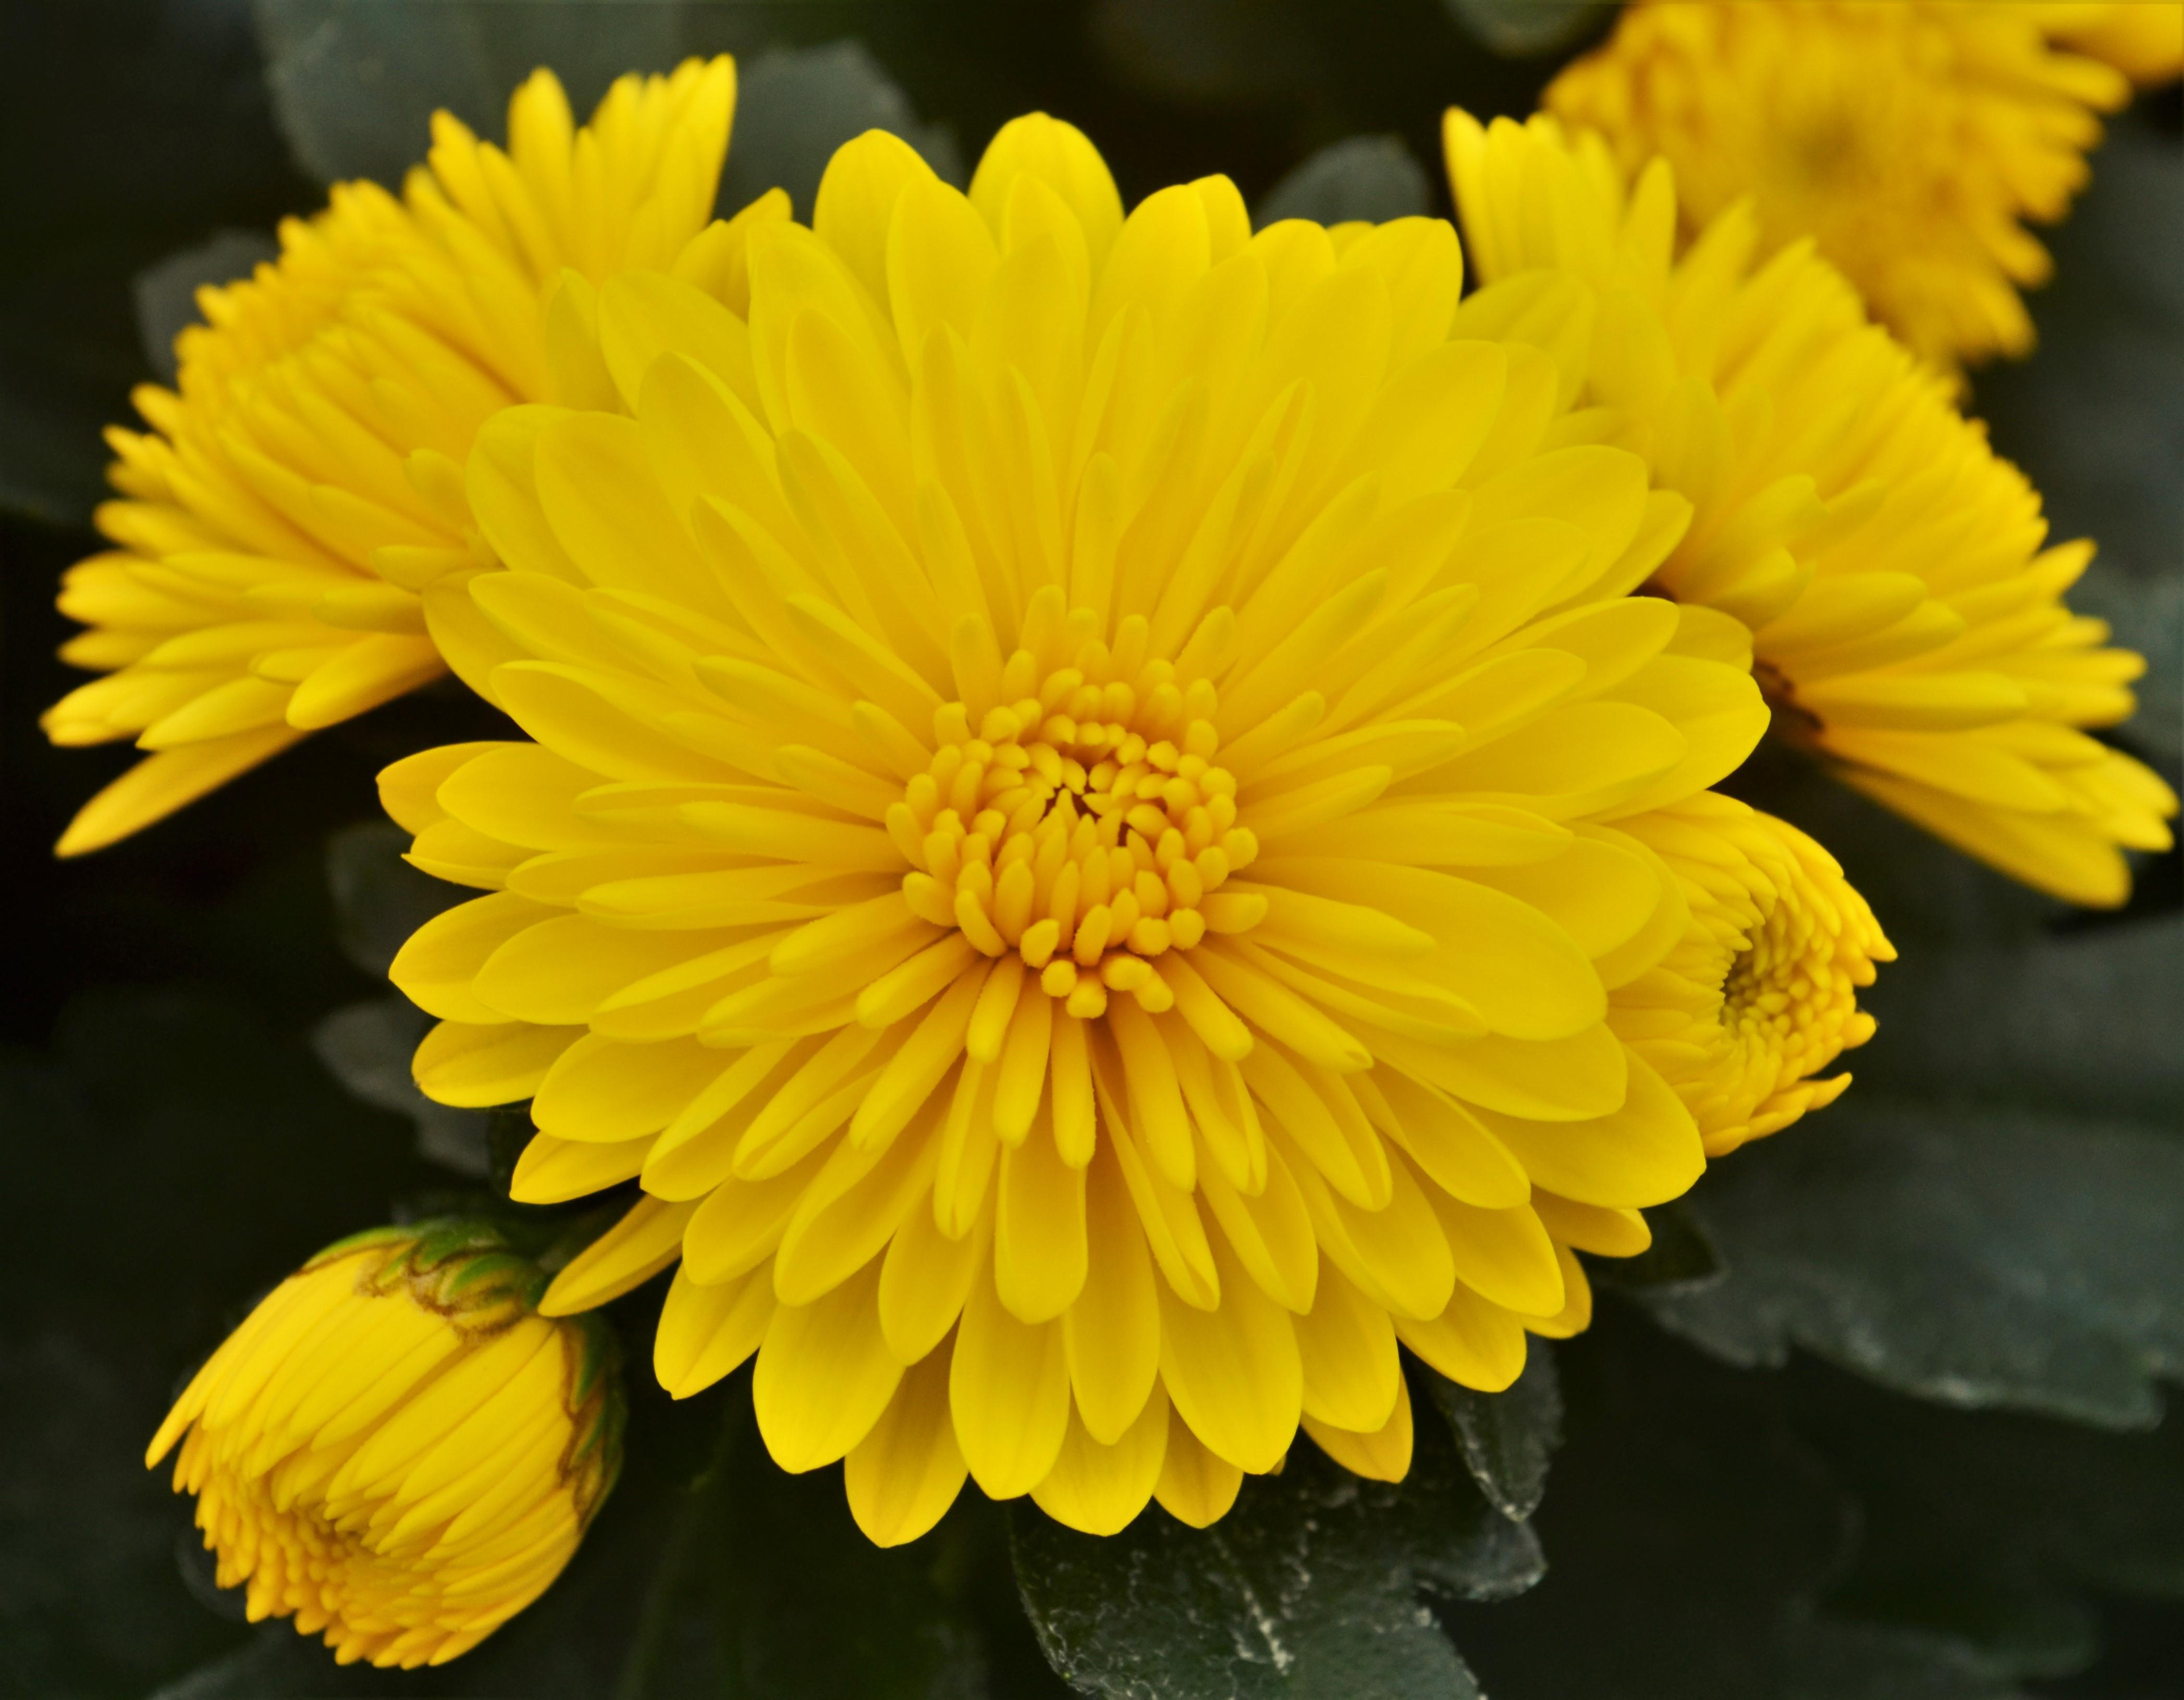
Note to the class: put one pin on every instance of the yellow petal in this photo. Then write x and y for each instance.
(1576, 1314)
(1647, 1152)
(903, 1476)
(1234, 1372)
(1352, 1373)
(473, 1066)
(824, 1375)
(553, 1171)
(1040, 1252)
(1606, 1232)
(436, 968)
(1474, 1341)
(606, 1091)
(848, 1212)
(1111, 1334)
(924, 1280)
(1058, 154)
(1382, 1455)
(705, 1332)
(1098, 1489)
(1008, 1387)
(646, 1240)
(1196, 1486)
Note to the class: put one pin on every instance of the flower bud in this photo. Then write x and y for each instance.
(395, 1448)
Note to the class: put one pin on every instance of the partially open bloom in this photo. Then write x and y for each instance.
(1907, 623)
(1761, 993)
(2144, 39)
(303, 484)
(1070, 842)
(395, 1448)
(1907, 138)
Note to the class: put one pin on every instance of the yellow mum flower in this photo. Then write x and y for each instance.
(1762, 992)
(1069, 846)
(395, 1448)
(1907, 138)
(1908, 625)
(2144, 39)
(304, 484)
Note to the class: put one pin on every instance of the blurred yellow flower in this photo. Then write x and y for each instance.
(1071, 846)
(1907, 624)
(1907, 138)
(2144, 39)
(394, 1448)
(304, 483)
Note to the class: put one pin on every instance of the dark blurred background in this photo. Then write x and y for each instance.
(172, 1141)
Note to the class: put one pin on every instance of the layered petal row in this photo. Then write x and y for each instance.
(1082, 833)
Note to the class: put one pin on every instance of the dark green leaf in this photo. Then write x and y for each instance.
(379, 898)
(1371, 177)
(1681, 1259)
(2146, 613)
(355, 83)
(167, 293)
(54, 404)
(1310, 1587)
(1507, 1438)
(1228, 51)
(1526, 28)
(795, 106)
(2082, 1024)
(1992, 1527)
(1692, 1532)
(1995, 1213)
(368, 1047)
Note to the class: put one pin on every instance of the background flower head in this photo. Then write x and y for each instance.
(1906, 612)
(2145, 42)
(301, 486)
(1909, 140)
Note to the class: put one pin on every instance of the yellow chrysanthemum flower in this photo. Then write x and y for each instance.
(1907, 138)
(1762, 992)
(1070, 846)
(2144, 39)
(1907, 624)
(395, 1448)
(304, 484)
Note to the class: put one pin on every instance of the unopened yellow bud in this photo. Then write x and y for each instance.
(395, 1448)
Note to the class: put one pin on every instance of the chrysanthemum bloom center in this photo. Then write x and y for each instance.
(1761, 993)
(1788, 998)
(1791, 719)
(1771, 989)
(1085, 827)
